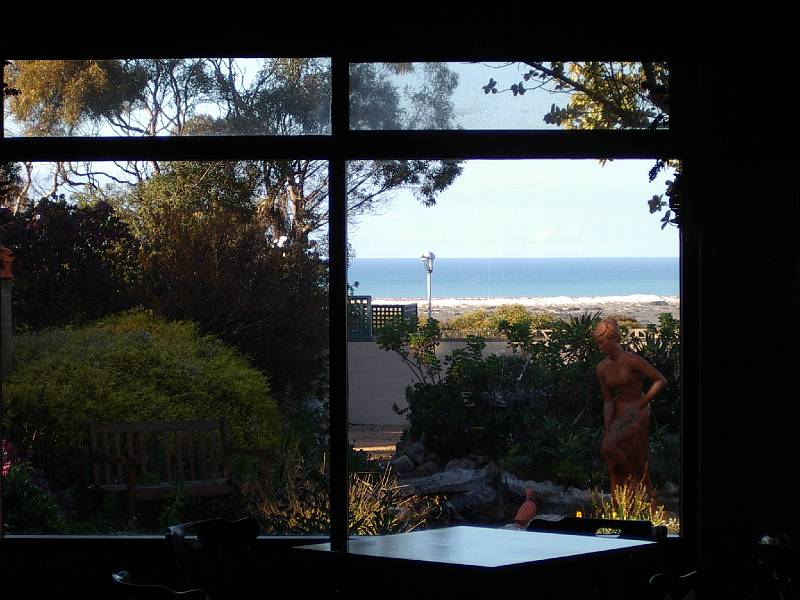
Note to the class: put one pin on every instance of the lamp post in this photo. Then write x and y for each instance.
(427, 259)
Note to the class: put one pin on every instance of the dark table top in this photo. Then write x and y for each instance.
(483, 547)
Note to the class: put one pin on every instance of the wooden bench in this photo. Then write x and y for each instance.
(157, 459)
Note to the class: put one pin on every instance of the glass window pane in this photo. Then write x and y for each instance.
(162, 97)
(513, 95)
(162, 305)
(498, 392)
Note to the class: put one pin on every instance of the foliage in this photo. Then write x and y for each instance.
(627, 503)
(27, 501)
(299, 500)
(539, 409)
(205, 258)
(480, 320)
(278, 96)
(416, 344)
(28, 505)
(10, 184)
(56, 96)
(72, 263)
(129, 367)
(601, 94)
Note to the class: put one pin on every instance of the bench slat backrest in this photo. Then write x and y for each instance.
(167, 450)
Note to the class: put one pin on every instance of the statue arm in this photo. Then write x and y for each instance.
(608, 400)
(659, 381)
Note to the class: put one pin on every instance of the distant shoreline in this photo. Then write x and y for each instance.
(645, 308)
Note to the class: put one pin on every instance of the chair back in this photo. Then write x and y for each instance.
(215, 554)
(138, 591)
(666, 586)
(636, 530)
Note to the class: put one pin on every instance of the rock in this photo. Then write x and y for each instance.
(473, 504)
(468, 490)
(433, 456)
(545, 490)
(494, 471)
(402, 464)
(448, 482)
(479, 459)
(513, 484)
(460, 463)
(427, 468)
(416, 452)
(550, 498)
(577, 497)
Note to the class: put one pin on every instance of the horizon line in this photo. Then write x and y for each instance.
(498, 257)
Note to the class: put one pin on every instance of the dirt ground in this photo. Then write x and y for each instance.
(376, 440)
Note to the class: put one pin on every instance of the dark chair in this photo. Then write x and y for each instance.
(138, 591)
(636, 530)
(215, 555)
(665, 586)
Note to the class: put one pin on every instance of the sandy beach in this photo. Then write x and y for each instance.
(644, 308)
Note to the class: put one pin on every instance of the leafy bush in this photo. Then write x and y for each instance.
(28, 506)
(28, 503)
(489, 323)
(129, 367)
(73, 263)
(206, 258)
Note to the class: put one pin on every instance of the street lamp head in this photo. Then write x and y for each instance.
(427, 258)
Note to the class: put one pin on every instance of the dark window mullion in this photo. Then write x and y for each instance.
(337, 290)
(354, 145)
(494, 144)
(166, 148)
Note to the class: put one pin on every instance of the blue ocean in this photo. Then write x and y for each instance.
(516, 277)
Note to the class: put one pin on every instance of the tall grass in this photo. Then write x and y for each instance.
(630, 503)
(298, 500)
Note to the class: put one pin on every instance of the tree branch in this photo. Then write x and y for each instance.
(618, 110)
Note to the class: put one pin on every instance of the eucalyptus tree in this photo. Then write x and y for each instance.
(219, 96)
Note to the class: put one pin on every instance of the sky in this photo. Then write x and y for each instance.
(528, 208)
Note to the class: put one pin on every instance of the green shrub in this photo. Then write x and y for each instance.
(539, 409)
(28, 505)
(480, 320)
(129, 367)
(72, 263)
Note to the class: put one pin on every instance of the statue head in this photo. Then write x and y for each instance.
(607, 329)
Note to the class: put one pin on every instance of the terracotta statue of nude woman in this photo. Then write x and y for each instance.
(626, 408)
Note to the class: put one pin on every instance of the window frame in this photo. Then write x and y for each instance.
(343, 145)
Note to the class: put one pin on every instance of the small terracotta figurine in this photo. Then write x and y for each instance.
(527, 511)
(626, 408)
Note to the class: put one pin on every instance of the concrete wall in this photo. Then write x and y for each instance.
(377, 379)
